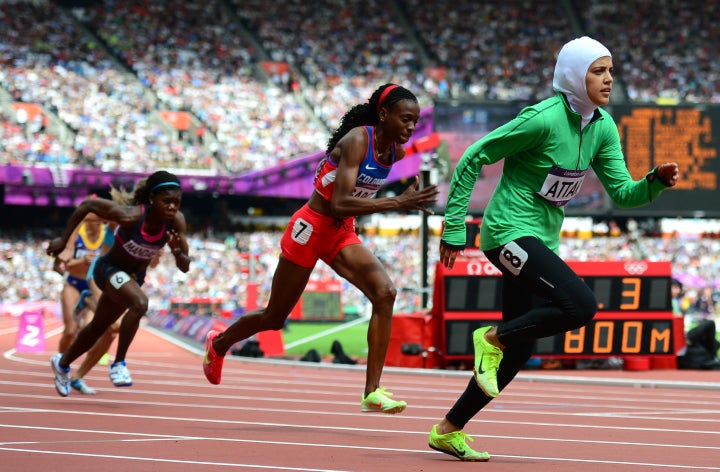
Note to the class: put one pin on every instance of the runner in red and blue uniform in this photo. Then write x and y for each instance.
(359, 156)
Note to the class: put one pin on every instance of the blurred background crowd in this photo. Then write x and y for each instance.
(220, 267)
(263, 82)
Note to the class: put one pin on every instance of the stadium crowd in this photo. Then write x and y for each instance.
(49, 60)
(220, 267)
(663, 49)
(104, 72)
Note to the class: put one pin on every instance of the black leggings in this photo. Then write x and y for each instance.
(542, 296)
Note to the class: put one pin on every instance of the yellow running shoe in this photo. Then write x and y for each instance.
(455, 445)
(487, 363)
(105, 359)
(380, 401)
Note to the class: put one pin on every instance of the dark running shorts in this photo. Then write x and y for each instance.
(104, 270)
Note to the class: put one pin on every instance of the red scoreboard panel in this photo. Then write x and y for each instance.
(634, 310)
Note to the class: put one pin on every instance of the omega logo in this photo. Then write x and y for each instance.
(482, 268)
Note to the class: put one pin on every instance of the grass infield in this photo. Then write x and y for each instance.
(301, 336)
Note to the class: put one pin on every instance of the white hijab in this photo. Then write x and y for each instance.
(573, 62)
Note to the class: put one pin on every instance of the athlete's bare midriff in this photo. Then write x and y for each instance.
(318, 204)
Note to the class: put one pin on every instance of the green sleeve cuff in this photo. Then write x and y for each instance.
(655, 185)
(454, 234)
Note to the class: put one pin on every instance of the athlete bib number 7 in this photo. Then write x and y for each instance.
(301, 232)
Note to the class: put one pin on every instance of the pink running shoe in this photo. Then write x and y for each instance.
(212, 364)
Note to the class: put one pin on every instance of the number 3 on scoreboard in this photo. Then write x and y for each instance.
(630, 293)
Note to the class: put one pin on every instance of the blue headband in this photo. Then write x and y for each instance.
(164, 184)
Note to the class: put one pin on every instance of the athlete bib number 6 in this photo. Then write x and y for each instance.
(118, 279)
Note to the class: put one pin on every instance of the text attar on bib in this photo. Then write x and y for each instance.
(561, 185)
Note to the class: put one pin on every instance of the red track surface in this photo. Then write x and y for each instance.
(290, 416)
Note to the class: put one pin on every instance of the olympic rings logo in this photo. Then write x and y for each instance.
(636, 268)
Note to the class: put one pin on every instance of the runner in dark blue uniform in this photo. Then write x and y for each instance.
(153, 221)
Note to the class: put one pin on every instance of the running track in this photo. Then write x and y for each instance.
(288, 416)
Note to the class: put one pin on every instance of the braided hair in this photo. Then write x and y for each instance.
(157, 182)
(368, 114)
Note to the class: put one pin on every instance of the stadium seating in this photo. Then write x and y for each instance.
(249, 84)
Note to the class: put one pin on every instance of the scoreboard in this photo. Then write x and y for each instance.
(688, 135)
(634, 310)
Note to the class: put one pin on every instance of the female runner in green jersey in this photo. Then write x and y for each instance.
(547, 148)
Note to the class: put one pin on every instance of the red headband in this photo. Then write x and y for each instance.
(384, 94)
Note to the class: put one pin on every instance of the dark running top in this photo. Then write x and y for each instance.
(138, 244)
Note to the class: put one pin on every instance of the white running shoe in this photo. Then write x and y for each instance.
(82, 387)
(62, 376)
(120, 375)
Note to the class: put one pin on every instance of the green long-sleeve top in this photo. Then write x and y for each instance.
(545, 154)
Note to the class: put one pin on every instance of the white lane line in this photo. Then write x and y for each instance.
(171, 461)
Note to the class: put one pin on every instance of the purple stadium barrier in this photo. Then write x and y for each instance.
(25, 185)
